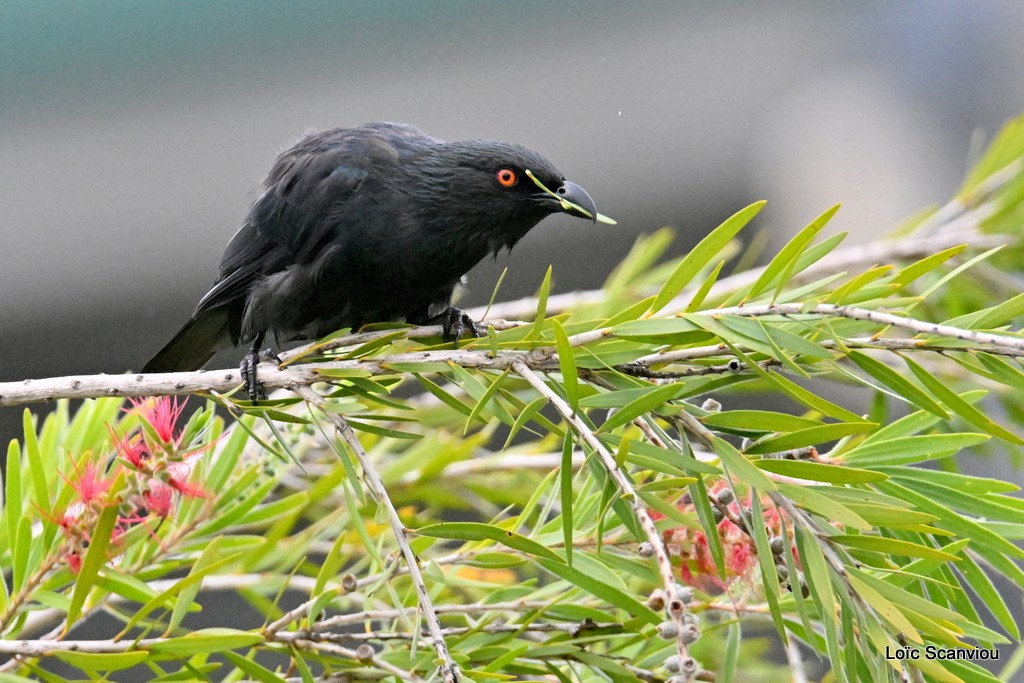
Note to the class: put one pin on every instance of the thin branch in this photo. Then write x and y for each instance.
(42, 648)
(716, 350)
(542, 358)
(879, 317)
(372, 478)
(674, 603)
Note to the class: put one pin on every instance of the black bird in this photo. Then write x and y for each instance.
(368, 224)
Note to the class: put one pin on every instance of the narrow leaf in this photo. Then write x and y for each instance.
(960, 406)
(567, 363)
(815, 471)
(702, 254)
(476, 531)
(898, 383)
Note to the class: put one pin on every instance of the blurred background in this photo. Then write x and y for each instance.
(134, 135)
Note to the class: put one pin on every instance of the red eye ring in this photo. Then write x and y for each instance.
(507, 177)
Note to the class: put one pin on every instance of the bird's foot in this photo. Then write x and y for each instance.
(268, 355)
(247, 368)
(455, 324)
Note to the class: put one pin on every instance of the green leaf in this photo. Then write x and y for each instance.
(382, 431)
(96, 661)
(207, 640)
(161, 599)
(909, 601)
(662, 331)
(36, 468)
(953, 274)
(736, 330)
(668, 484)
(817, 577)
(542, 307)
(826, 506)
(909, 449)
(1004, 150)
(897, 382)
(443, 395)
(766, 562)
(702, 254)
(815, 471)
(812, 436)
(702, 502)
(733, 640)
(807, 398)
(758, 420)
(891, 546)
(705, 287)
(631, 312)
(485, 399)
(374, 344)
(271, 414)
(567, 363)
(781, 267)
(525, 415)
(991, 597)
(476, 531)
(856, 289)
(794, 343)
(738, 466)
(925, 265)
(654, 398)
(964, 483)
(818, 251)
(126, 586)
(884, 607)
(342, 373)
(890, 516)
(253, 670)
(96, 555)
(600, 589)
(1002, 370)
(474, 385)
(186, 597)
(565, 489)
(990, 545)
(991, 318)
(12, 495)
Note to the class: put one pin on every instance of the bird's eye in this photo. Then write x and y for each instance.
(507, 177)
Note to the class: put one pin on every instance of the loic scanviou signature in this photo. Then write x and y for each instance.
(935, 652)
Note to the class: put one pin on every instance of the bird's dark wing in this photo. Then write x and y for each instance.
(304, 204)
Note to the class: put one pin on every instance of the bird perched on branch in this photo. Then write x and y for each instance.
(368, 224)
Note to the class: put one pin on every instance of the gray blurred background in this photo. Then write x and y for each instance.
(134, 135)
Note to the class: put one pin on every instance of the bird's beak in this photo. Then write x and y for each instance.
(573, 200)
(576, 201)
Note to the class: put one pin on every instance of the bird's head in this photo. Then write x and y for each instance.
(510, 188)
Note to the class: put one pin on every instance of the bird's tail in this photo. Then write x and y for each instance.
(194, 344)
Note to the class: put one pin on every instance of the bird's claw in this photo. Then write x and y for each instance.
(247, 369)
(268, 355)
(456, 323)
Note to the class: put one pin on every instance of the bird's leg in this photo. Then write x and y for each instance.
(455, 324)
(247, 369)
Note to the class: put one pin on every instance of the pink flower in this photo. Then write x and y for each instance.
(89, 484)
(159, 499)
(697, 566)
(131, 448)
(162, 414)
(178, 474)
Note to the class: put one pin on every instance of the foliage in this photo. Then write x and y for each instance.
(663, 483)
